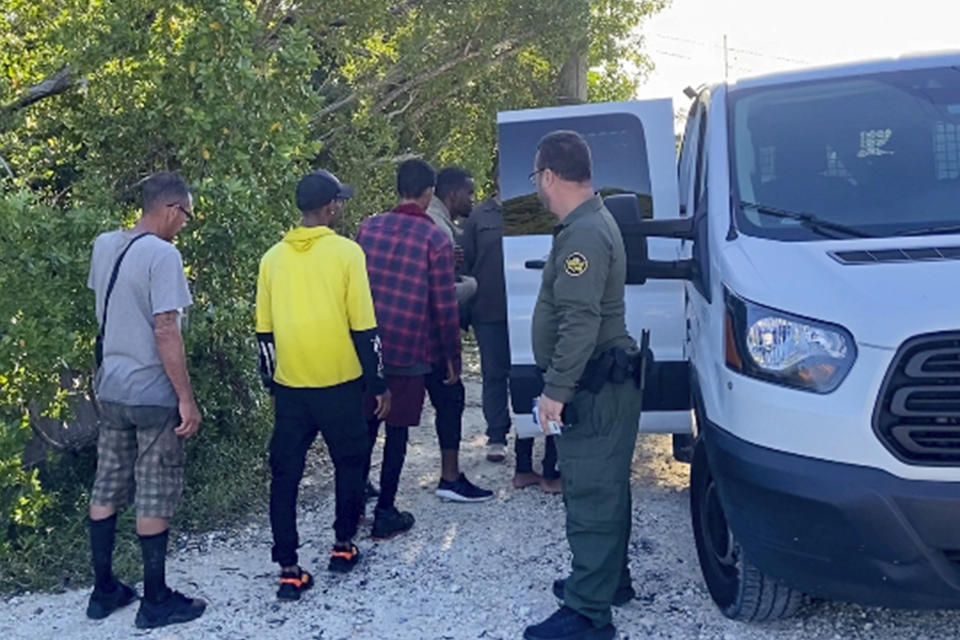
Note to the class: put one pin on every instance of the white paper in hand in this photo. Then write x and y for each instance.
(531, 429)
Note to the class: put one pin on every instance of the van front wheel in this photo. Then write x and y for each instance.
(739, 589)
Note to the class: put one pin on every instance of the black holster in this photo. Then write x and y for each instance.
(617, 365)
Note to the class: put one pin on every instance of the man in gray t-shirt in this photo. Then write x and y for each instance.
(146, 400)
(150, 282)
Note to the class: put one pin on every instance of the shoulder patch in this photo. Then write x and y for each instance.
(575, 264)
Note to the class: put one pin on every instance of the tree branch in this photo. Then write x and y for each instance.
(56, 84)
(427, 77)
(403, 157)
(7, 167)
(388, 78)
(504, 54)
(339, 104)
(266, 10)
(413, 96)
(502, 50)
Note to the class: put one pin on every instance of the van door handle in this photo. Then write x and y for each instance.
(535, 264)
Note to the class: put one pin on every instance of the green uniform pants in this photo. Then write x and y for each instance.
(595, 457)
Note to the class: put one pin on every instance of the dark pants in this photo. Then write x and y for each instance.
(524, 450)
(300, 414)
(394, 453)
(595, 458)
(494, 343)
(448, 402)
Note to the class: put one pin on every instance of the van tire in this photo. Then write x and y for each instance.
(739, 589)
(683, 447)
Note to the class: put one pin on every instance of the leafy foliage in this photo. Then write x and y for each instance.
(242, 98)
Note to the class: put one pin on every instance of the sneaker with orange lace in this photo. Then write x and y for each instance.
(294, 583)
(344, 560)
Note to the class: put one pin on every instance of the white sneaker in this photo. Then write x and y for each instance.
(496, 452)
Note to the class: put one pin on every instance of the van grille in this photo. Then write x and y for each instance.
(918, 411)
(912, 254)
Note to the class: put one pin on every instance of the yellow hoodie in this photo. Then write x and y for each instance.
(313, 291)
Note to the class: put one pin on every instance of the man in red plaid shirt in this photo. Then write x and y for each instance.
(411, 268)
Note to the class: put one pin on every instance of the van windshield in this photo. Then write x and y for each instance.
(876, 153)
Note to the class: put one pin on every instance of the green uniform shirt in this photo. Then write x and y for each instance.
(580, 310)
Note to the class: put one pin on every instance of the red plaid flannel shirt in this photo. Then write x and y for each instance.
(411, 269)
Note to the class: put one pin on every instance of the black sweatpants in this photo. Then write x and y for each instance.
(300, 414)
(448, 403)
(394, 453)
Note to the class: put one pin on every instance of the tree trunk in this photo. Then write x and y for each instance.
(573, 77)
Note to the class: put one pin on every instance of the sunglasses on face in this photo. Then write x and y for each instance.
(183, 210)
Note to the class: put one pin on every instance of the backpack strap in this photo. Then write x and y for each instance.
(113, 281)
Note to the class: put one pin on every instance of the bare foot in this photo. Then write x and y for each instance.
(551, 485)
(523, 480)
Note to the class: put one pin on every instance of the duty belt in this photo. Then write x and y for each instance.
(618, 365)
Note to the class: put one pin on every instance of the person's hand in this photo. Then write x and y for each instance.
(452, 376)
(189, 419)
(549, 410)
(383, 405)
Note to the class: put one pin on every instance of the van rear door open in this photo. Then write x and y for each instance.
(633, 149)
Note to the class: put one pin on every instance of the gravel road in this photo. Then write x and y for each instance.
(463, 572)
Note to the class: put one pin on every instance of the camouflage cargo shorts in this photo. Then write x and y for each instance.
(139, 460)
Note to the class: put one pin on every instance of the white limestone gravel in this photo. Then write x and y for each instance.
(464, 571)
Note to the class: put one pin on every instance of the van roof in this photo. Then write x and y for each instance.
(901, 63)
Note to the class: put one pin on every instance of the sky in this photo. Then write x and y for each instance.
(685, 41)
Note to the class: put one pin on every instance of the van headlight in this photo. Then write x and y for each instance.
(786, 349)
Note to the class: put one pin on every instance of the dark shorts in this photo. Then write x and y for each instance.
(139, 460)
(406, 401)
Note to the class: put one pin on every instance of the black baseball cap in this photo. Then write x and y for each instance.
(319, 188)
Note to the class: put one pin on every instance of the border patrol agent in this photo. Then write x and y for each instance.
(588, 360)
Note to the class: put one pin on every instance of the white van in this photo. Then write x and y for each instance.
(800, 278)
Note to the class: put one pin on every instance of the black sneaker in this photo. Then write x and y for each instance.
(370, 492)
(462, 490)
(388, 523)
(567, 624)
(103, 603)
(174, 609)
(621, 596)
(344, 560)
(294, 584)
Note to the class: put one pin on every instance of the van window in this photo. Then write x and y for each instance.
(687, 165)
(877, 152)
(619, 152)
(699, 187)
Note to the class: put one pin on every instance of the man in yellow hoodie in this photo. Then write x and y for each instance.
(319, 351)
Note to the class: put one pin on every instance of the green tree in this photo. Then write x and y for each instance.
(241, 97)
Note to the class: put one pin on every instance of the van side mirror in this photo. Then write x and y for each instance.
(625, 208)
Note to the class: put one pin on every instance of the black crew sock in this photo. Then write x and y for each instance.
(102, 535)
(154, 550)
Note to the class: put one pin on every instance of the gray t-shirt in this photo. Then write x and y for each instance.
(150, 281)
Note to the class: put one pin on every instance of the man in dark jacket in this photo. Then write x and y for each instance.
(483, 256)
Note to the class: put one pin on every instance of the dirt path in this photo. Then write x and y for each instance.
(465, 571)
